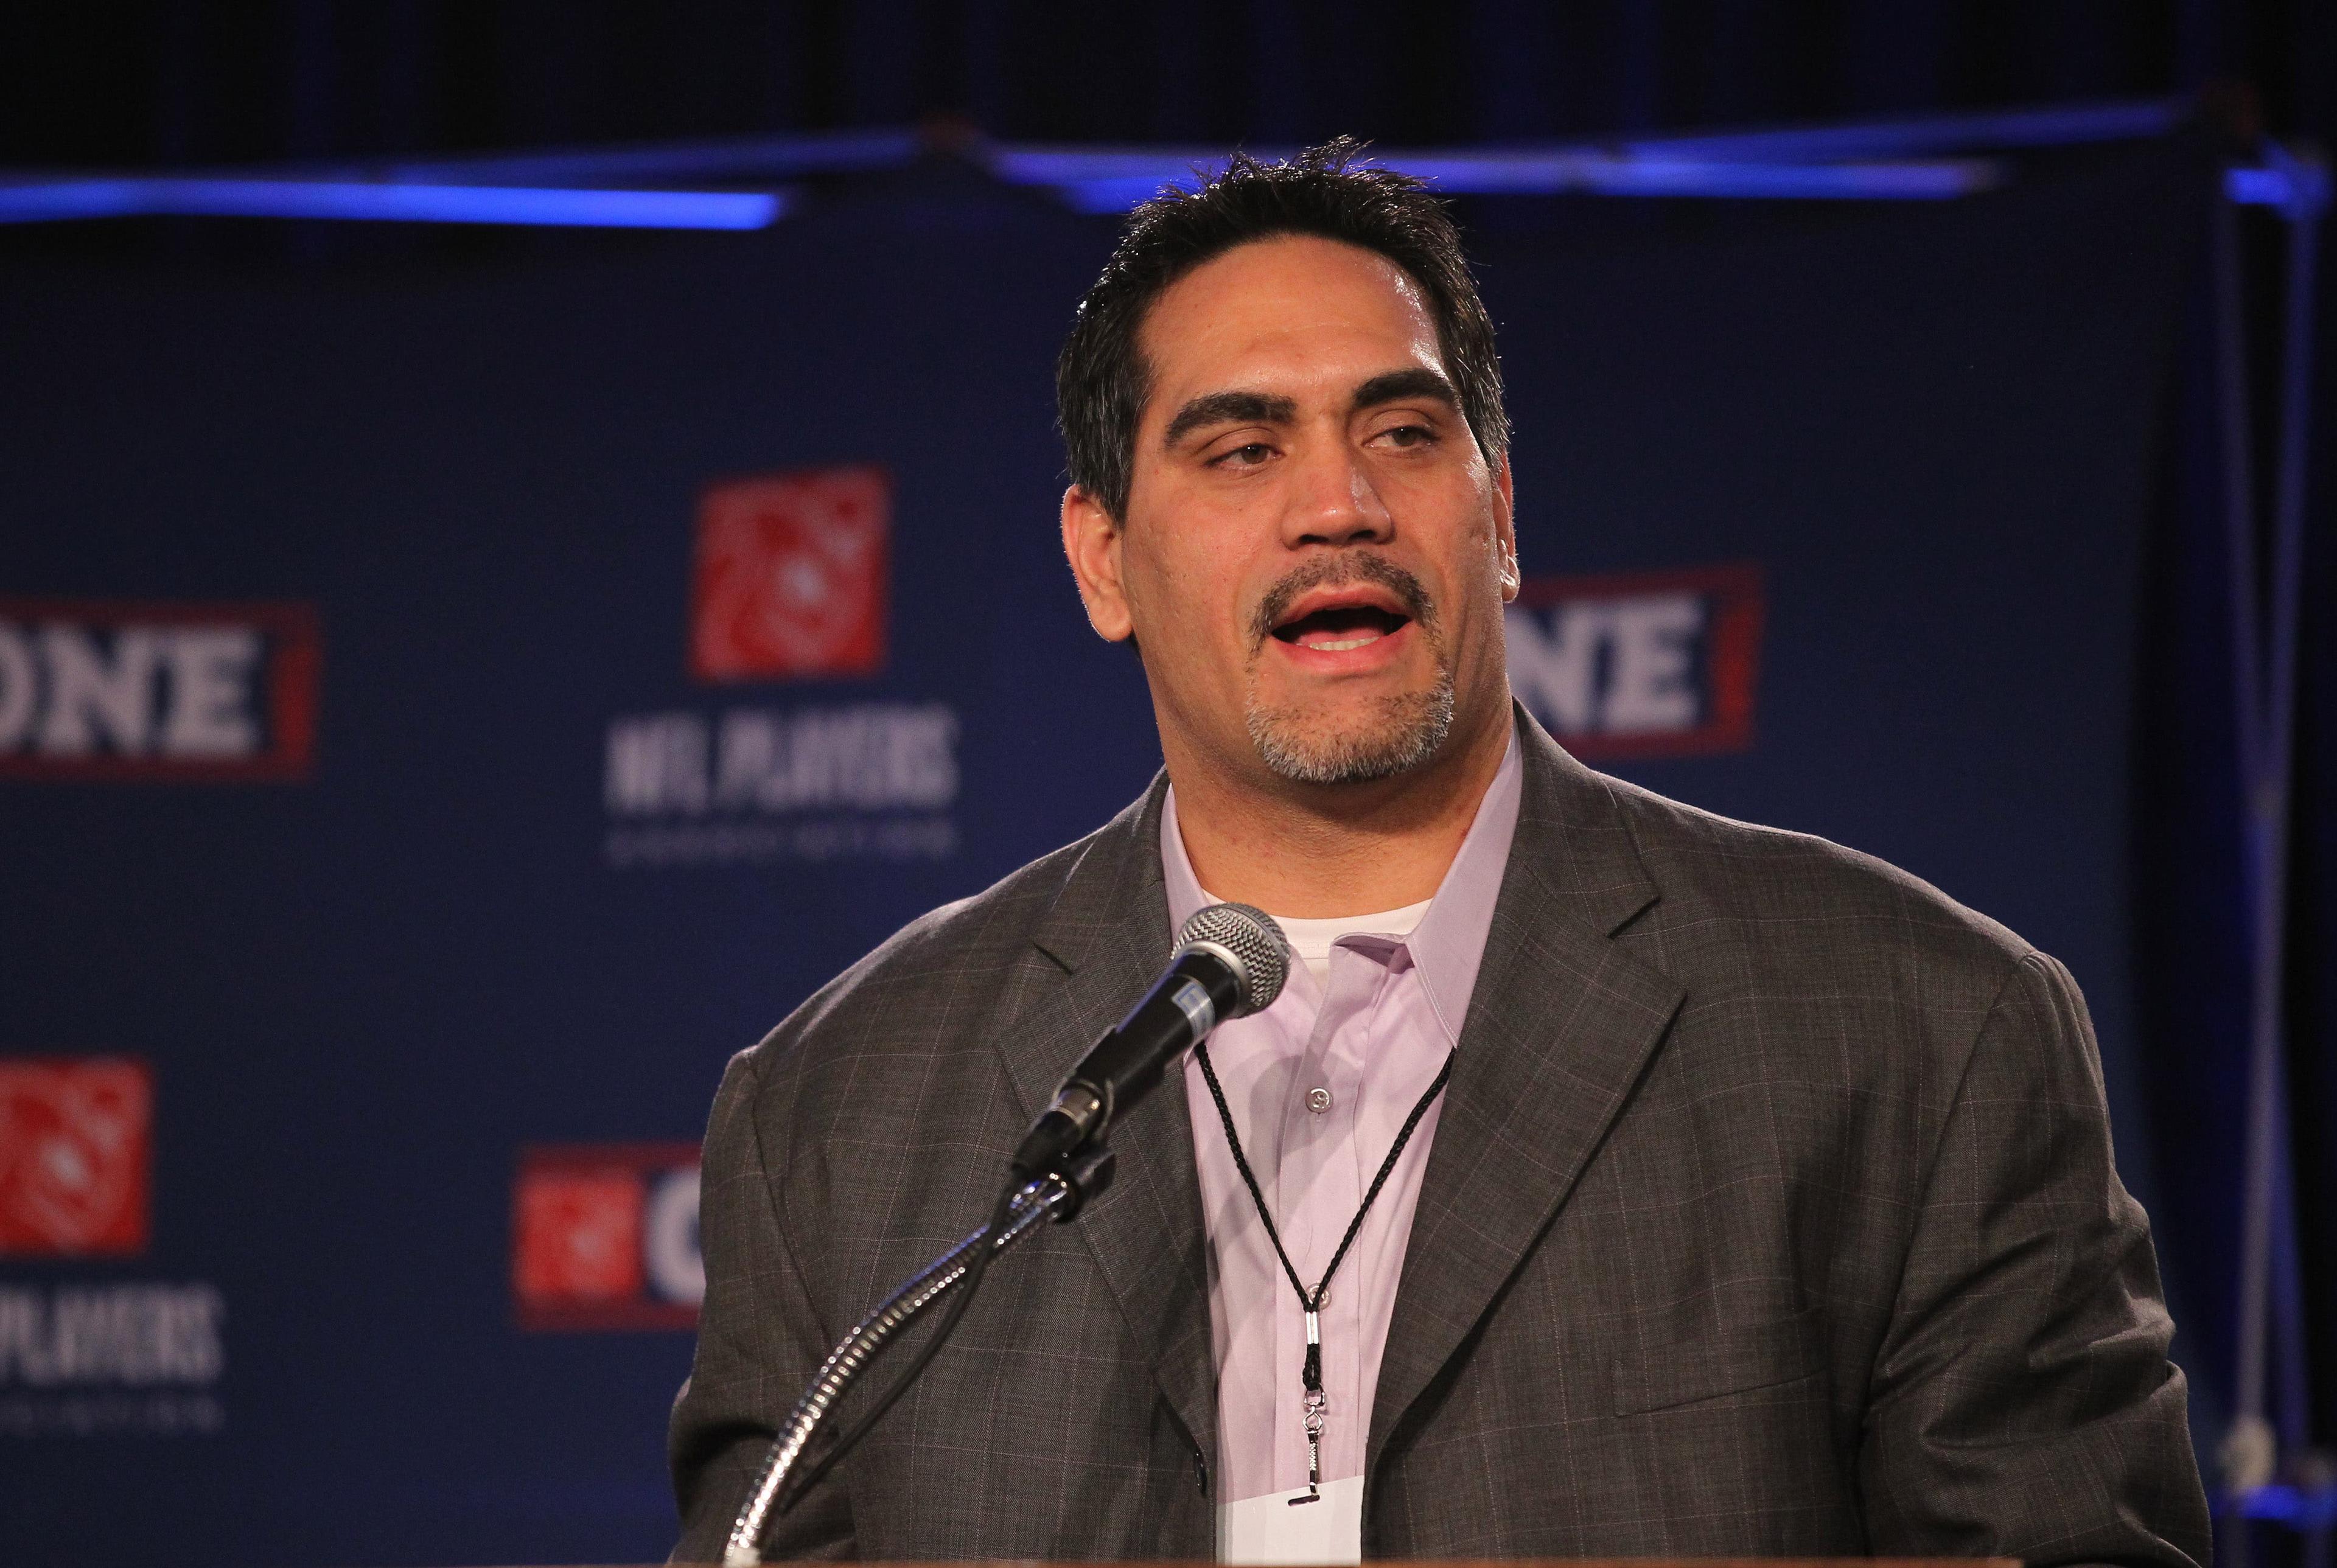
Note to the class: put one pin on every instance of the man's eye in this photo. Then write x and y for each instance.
(1408, 435)
(1248, 456)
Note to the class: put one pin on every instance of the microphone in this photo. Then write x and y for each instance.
(1230, 961)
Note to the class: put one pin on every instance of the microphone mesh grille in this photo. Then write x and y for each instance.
(1251, 935)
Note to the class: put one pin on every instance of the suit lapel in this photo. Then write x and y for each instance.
(1103, 942)
(1559, 1028)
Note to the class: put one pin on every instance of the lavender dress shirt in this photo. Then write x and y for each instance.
(1319, 1085)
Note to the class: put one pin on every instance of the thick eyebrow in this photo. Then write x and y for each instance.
(1397, 385)
(1228, 408)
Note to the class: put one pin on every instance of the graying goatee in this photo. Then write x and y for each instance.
(1411, 726)
(1414, 726)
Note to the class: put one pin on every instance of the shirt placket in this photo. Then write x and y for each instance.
(1320, 1195)
(1250, 1056)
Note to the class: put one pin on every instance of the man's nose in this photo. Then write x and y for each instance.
(1331, 501)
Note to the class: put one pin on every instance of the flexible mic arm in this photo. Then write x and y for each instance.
(1230, 959)
(1057, 1196)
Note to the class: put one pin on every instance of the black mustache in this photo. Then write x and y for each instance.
(1331, 569)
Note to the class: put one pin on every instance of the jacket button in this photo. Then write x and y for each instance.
(1200, 1473)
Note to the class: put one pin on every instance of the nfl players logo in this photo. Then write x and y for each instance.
(74, 1156)
(789, 579)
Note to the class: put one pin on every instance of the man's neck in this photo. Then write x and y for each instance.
(1317, 851)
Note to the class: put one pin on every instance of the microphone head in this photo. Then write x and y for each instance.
(1261, 957)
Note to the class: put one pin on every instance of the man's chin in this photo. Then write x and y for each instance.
(1388, 736)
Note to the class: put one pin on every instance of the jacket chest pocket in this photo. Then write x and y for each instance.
(1679, 1363)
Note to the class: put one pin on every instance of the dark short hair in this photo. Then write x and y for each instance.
(1102, 381)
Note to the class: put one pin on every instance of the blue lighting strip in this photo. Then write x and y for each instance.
(2298, 186)
(386, 201)
(1112, 181)
(2299, 1507)
(1876, 161)
(1996, 130)
(1886, 161)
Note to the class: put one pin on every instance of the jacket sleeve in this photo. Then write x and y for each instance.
(759, 1343)
(2022, 1404)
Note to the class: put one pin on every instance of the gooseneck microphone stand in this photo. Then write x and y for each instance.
(1230, 961)
(1058, 1195)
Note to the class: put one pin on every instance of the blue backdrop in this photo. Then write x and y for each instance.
(365, 994)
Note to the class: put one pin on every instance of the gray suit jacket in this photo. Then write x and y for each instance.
(1771, 1213)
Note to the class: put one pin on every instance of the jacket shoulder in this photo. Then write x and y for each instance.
(933, 985)
(1804, 904)
(936, 954)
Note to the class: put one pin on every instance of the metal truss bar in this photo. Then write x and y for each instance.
(2285, 592)
(2266, 597)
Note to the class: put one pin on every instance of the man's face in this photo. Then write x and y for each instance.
(1316, 553)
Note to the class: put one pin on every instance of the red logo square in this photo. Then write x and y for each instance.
(75, 1156)
(791, 576)
(577, 1237)
(604, 1236)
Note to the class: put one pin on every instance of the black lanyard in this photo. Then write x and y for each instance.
(1311, 1375)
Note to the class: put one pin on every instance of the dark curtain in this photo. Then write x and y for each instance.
(180, 82)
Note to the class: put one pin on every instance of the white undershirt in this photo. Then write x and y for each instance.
(1313, 940)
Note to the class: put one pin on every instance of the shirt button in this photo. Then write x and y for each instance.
(1318, 1100)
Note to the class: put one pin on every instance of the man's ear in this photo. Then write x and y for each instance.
(1091, 540)
(1505, 528)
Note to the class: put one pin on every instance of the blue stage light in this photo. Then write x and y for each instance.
(391, 202)
(2298, 187)
(1980, 131)
(49, 201)
(1114, 180)
(1890, 161)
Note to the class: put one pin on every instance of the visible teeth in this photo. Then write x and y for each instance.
(1344, 644)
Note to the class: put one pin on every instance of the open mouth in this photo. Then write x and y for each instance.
(1334, 611)
(1337, 628)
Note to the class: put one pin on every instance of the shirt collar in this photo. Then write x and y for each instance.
(1449, 944)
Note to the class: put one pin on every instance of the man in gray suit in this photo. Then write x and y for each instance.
(1715, 1190)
